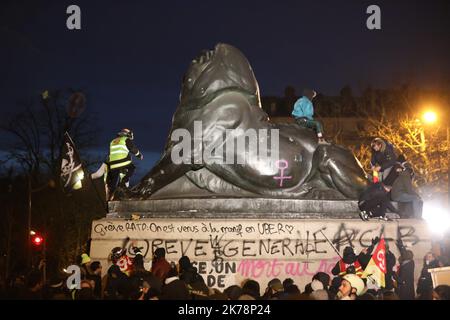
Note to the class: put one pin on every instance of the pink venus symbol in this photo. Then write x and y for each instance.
(282, 165)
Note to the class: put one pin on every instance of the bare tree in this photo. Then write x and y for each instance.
(37, 131)
(424, 146)
(399, 122)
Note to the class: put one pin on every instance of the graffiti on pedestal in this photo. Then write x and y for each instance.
(228, 252)
(249, 240)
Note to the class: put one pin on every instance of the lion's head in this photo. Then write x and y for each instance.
(213, 71)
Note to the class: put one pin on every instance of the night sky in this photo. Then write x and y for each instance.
(129, 57)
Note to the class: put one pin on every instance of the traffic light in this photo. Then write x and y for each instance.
(36, 239)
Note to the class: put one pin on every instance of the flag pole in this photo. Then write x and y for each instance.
(104, 205)
(86, 173)
(331, 244)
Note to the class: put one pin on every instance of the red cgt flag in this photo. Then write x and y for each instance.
(376, 268)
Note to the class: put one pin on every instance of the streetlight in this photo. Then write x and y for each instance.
(430, 117)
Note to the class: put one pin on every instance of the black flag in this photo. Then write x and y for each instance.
(72, 173)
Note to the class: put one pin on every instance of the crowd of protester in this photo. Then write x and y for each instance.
(170, 281)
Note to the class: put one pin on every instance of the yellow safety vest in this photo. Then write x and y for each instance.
(118, 153)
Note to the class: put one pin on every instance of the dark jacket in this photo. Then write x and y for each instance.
(393, 175)
(194, 281)
(137, 278)
(98, 284)
(403, 184)
(175, 290)
(390, 263)
(118, 285)
(131, 147)
(405, 282)
(385, 158)
(376, 200)
(425, 283)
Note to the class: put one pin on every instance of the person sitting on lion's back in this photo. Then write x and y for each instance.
(303, 113)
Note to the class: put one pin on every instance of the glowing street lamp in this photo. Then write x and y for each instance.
(430, 117)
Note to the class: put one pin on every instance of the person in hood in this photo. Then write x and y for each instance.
(304, 111)
(405, 274)
(194, 281)
(403, 191)
(348, 264)
(117, 284)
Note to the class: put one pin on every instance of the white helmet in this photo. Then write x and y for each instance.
(356, 282)
(126, 133)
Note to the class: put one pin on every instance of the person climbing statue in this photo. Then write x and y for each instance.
(304, 111)
(383, 158)
(121, 167)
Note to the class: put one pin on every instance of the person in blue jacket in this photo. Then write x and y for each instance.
(304, 111)
(383, 157)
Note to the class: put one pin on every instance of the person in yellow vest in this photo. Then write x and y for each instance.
(348, 264)
(121, 167)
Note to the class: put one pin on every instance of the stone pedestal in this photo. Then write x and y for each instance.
(235, 208)
(233, 239)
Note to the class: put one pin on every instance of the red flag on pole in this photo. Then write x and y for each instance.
(376, 268)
